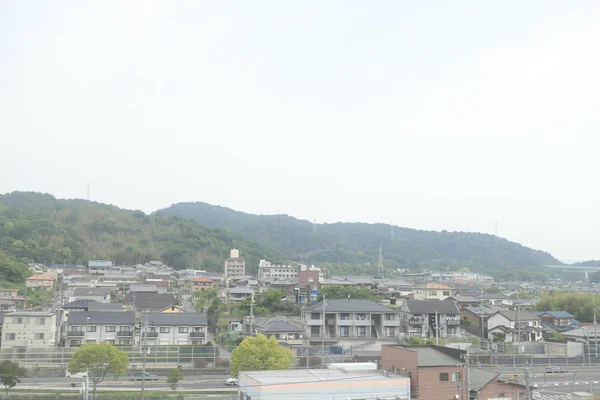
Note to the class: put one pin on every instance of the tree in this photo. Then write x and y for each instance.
(98, 359)
(345, 292)
(10, 374)
(175, 376)
(260, 354)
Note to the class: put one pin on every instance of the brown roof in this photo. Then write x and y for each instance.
(40, 277)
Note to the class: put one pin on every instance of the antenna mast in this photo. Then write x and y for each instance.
(392, 236)
(380, 263)
(315, 226)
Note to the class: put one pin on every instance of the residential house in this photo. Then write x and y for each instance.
(432, 291)
(237, 293)
(283, 330)
(475, 318)
(496, 299)
(150, 302)
(40, 281)
(142, 288)
(515, 326)
(101, 295)
(9, 294)
(120, 280)
(322, 384)
(350, 319)
(430, 318)
(24, 329)
(438, 373)
(176, 329)
(172, 309)
(464, 301)
(557, 321)
(235, 265)
(6, 305)
(115, 327)
(202, 283)
(365, 282)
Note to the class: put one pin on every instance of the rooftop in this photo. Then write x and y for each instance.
(177, 319)
(279, 325)
(435, 356)
(431, 306)
(40, 277)
(513, 315)
(351, 305)
(555, 314)
(101, 317)
(478, 378)
(284, 377)
(29, 314)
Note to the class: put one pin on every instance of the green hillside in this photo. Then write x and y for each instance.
(37, 227)
(354, 247)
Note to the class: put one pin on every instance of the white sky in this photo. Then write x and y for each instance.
(434, 115)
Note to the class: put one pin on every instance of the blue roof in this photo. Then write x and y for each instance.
(556, 314)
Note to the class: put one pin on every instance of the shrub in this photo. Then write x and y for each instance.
(200, 363)
(222, 363)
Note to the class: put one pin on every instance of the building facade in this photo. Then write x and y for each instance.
(176, 328)
(430, 318)
(114, 327)
(24, 329)
(235, 265)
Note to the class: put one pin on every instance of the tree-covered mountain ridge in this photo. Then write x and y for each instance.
(36, 227)
(354, 247)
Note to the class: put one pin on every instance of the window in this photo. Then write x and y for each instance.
(38, 336)
(361, 316)
(315, 315)
(18, 320)
(444, 377)
(390, 331)
(183, 329)
(361, 331)
(111, 328)
(126, 341)
(165, 329)
(77, 328)
(344, 331)
(456, 377)
(124, 328)
(40, 321)
(389, 317)
(344, 316)
(91, 328)
(432, 293)
(10, 336)
(75, 342)
(315, 331)
(451, 331)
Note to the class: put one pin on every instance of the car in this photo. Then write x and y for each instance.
(555, 369)
(76, 375)
(231, 381)
(143, 376)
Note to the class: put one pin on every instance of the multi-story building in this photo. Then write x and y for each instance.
(176, 329)
(115, 327)
(308, 285)
(515, 326)
(40, 281)
(438, 373)
(9, 294)
(558, 321)
(432, 291)
(234, 265)
(350, 319)
(23, 329)
(271, 272)
(430, 318)
(101, 267)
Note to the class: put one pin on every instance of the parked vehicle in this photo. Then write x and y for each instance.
(231, 381)
(76, 375)
(143, 376)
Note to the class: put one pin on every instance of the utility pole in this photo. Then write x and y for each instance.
(527, 386)
(595, 330)
(144, 350)
(251, 311)
(437, 330)
(466, 385)
(323, 336)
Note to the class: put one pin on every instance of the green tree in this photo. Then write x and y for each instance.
(11, 374)
(579, 304)
(260, 354)
(98, 359)
(345, 292)
(175, 376)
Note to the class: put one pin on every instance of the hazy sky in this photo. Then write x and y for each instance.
(433, 115)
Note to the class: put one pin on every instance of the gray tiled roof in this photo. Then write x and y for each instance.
(101, 317)
(151, 300)
(429, 356)
(350, 305)
(431, 306)
(106, 307)
(88, 291)
(478, 378)
(240, 290)
(176, 319)
(278, 325)
(78, 304)
(521, 316)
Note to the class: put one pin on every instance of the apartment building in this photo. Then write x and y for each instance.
(115, 327)
(176, 328)
(23, 329)
(234, 265)
(430, 318)
(101, 267)
(350, 319)
(40, 281)
(270, 272)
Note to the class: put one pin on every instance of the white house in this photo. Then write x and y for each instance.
(516, 326)
(23, 329)
(176, 328)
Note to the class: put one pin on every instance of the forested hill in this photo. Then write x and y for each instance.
(357, 244)
(37, 227)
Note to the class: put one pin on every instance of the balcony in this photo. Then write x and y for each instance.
(415, 321)
(124, 333)
(452, 321)
(75, 333)
(151, 334)
(197, 334)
